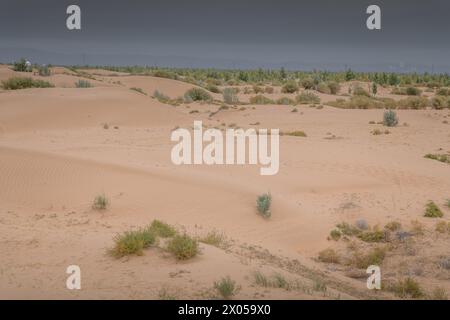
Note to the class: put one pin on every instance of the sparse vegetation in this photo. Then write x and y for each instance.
(17, 83)
(226, 287)
(230, 96)
(21, 66)
(374, 257)
(44, 71)
(260, 99)
(101, 202)
(329, 256)
(263, 203)
(214, 238)
(290, 87)
(407, 288)
(183, 247)
(296, 133)
(162, 229)
(445, 158)
(307, 98)
(390, 118)
(138, 90)
(432, 210)
(132, 242)
(197, 94)
(83, 84)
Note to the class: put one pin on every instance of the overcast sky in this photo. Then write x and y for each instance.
(323, 34)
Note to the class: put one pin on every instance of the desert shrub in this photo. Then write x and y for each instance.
(197, 94)
(268, 90)
(443, 92)
(334, 87)
(359, 91)
(290, 87)
(393, 226)
(390, 118)
(359, 102)
(444, 263)
(442, 227)
(407, 288)
(335, 234)
(258, 89)
(21, 66)
(307, 83)
(329, 256)
(296, 133)
(163, 74)
(432, 210)
(230, 96)
(213, 88)
(183, 247)
(374, 257)
(260, 99)
(439, 294)
(417, 227)
(226, 287)
(263, 203)
(413, 103)
(373, 236)
(138, 90)
(132, 242)
(44, 71)
(445, 158)
(17, 83)
(439, 102)
(162, 229)
(285, 101)
(215, 238)
(83, 84)
(307, 97)
(413, 91)
(161, 97)
(101, 202)
(323, 88)
(261, 279)
(347, 229)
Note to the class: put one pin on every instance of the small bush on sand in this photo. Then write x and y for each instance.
(21, 66)
(290, 87)
(407, 288)
(445, 158)
(260, 99)
(374, 257)
(359, 91)
(373, 236)
(390, 118)
(335, 235)
(393, 226)
(197, 94)
(226, 287)
(83, 84)
(215, 239)
(432, 210)
(439, 294)
(307, 98)
(308, 83)
(230, 96)
(261, 279)
(329, 256)
(263, 203)
(439, 103)
(132, 242)
(101, 202)
(443, 227)
(296, 133)
(162, 229)
(213, 88)
(17, 83)
(44, 71)
(138, 90)
(347, 229)
(183, 247)
(161, 97)
(285, 101)
(413, 103)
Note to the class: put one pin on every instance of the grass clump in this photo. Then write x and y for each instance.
(101, 202)
(230, 96)
(443, 227)
(183, 247)
(445, 158)
(162, 229)
(138, 90)
(215, 239)
(373, 257)
(226, 287)
(307, 98)
(197, 94)
(261, 279)
(290, 87)
(390, 118)
(17, 83)
(260, 99)
(285, 101)
(83, 84)
(415, 103)
(407, 288)
(393, 226)
(432, 210)
(373, 236)
(347, 229)
(296, 133)
(132, 242)
(329, 256)
(263, 203)
(335, 235)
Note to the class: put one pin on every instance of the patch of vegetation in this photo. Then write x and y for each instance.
(215, 239)
(443, 227)
(393, 226)
(285, 101)
(83, 84)
(347, 229)
(132, 242)
(261, 279)
(226, 287)
(183, 247)
(260, 99)
(213, 88)
(162, 229)
(290, 87)
(138, 90)
(432, 210)
(197, 94)
(439, 294)
(359, 91)
(359, 102)
(21, 66)
(375, 256)
(362, 224)
(445, 158)
(307, 98)
(415, 103)
(329, 256)
(44, 71)
(390, 118)
(410, 91)
(407, 288)
(230, 96)
(101, 202)
(296, 133)
(373, 236)
(263, 203)
(335, 235)
(161, 97)
(17, 83)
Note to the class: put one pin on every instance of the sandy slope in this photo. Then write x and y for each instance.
(56, 156)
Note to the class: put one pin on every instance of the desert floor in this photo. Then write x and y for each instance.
(57, 154)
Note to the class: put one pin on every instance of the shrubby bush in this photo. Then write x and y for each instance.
(290, 87)
(390, 118)
(197, 94)
(24, 83)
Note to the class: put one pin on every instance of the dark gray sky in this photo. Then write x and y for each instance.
(296, 34)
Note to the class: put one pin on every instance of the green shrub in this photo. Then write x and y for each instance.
(263, 203)
(334, 87)
(359, 91)
(307, 98)
(17, 83)
(226, 287)
(439, 102)
(197, 94)
(323, 88)
(215, 239)
(261, 279)
(407, 288)
(335, 234)
(308, 83)
(290, 87)
(162, 229)
(393, 226)
(375, 256)
(230, 96)
(183, 247)
(83, 84)
(296, 133)
(132, 242)
(347, 229)
(161, 97)
(445, 158)
(101, 202)
(443, 92)
(413, 103)
(213, 88)
(329, 256)
(432, 210)
(413, 91)
(361, 102)
(390, 118)
(285, 101)
(21, 66)
(373, 236)
(260, 99)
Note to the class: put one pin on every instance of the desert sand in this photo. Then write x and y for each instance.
(57, 154)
